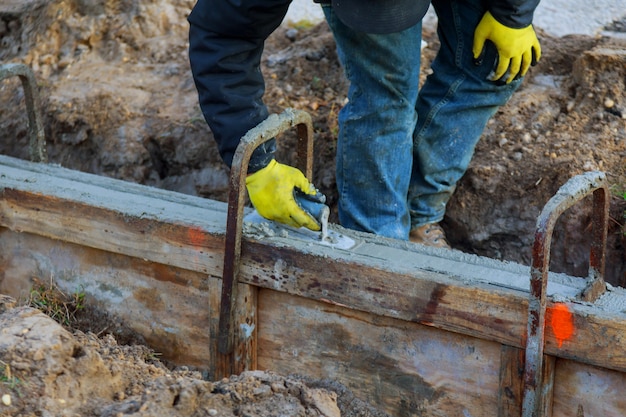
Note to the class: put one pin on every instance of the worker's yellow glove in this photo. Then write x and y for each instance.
(271, 191)
(518, 49)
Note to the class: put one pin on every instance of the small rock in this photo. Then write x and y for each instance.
(325, 402)
(6, 400)
(262, 391)
(6, 303)
(291, 34)
(278, 388)
(608, 103)
(589, 166)
(236, 397)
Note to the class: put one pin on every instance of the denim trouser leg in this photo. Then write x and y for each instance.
(453, 108)
(375, 144)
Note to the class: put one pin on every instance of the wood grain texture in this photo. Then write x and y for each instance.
(511, 381)
(409, 369)
(433, 299)
(588, 391)
(177, 231)
(173, 310)
(406, 368)
(372, 315)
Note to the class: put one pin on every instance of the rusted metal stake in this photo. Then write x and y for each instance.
(35, 125)
(572, 192)
(268, 129)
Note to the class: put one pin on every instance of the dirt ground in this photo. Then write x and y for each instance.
(50, 370)
(117, 99)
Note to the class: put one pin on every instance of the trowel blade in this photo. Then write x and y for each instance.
(255, 223)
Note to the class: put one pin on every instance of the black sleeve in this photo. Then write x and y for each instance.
(226, 39)
(515, 14)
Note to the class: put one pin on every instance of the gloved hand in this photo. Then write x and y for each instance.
(271, 191)
(518, 49)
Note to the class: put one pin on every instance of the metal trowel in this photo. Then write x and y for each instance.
(315, 206)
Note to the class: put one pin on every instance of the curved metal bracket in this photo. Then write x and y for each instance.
(35, 125)
(569, 194)
(268, 129)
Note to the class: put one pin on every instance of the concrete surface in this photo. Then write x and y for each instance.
(557, 17)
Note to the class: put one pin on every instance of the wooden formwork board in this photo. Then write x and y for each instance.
(408, 328)
(416, 370)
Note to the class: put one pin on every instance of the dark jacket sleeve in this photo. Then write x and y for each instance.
(226, 39)
(515, 14)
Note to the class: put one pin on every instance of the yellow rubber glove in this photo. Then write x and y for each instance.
(518, 49)
(271, 191)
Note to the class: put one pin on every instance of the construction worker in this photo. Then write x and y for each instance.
(401, 150)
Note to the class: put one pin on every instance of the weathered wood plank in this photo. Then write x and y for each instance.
(383, 357)
(455, 292)
(244, 354)
(588, 391)
(404, 327)
(409, 369)
(55, 176)
(404, 368)
(434, 299)
(546, 394)
(173, 309)
(194, 246)
(511, 382)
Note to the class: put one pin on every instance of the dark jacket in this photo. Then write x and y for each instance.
(515, 14)
(226, 40)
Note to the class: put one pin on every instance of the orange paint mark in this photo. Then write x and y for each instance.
(196, 236)
(562, 322)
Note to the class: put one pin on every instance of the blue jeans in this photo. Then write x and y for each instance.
(401, 149)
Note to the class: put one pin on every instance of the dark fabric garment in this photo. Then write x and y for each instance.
(512, 13)
(515, 14)
(226, 40)
(380, 17)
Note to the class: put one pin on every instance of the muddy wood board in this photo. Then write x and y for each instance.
(415, 330)
(417, 370)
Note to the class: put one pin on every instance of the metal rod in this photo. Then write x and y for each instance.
(569, 194)
(36, 133)
(268, 129)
